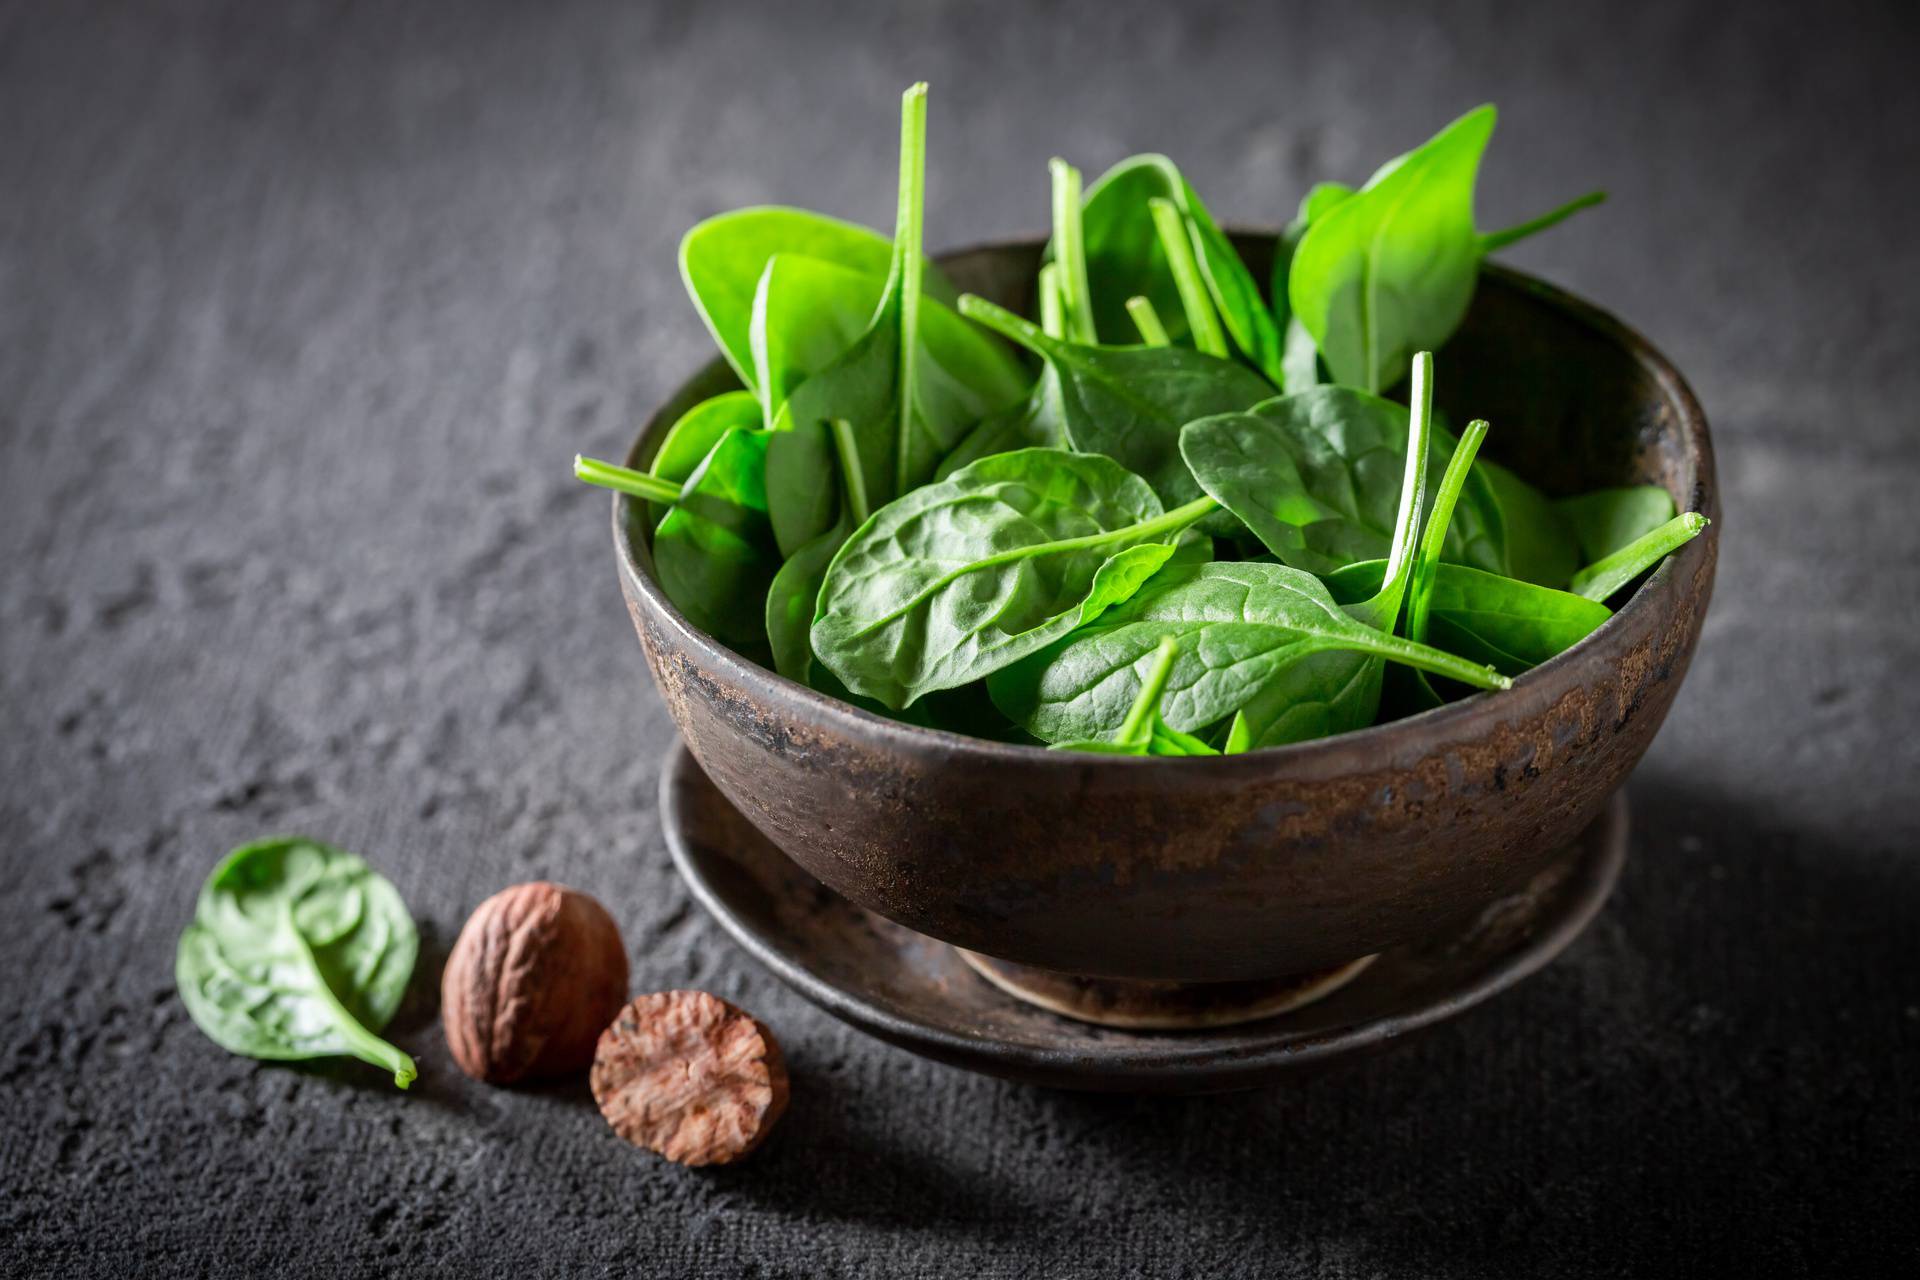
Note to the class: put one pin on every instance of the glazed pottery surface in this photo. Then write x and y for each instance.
(1256, 865)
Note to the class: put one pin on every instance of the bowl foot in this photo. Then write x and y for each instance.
(1146, 1005)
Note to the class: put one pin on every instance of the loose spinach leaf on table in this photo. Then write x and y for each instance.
(1391, 269)
(1601, 579)
(1145, 732)
(1606, 520)
(1126, 258)
(723, 258)
(961, 577)
(1241, 626)
(807, 313)
(298, 950)
(1128, 403)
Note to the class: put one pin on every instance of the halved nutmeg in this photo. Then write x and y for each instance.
(690, 1076)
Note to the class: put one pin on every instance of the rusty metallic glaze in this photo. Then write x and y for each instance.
(1250, 866)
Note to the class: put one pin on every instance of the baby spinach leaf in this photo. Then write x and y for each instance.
(689, 440)
(723, 258)
(298, 950)
(1506, 623)
(1601, 579)
(1126, 402)
(961, 577)
(1299, 356)
(808, 312)
(1126, 258)
(1538, 544)
(791, 599)
(1240, 626)
(1608, 519)
(714, 550)
(1317, 477)
(1391, 269)
(1145, 732)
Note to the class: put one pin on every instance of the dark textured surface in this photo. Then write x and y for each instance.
(304, 313)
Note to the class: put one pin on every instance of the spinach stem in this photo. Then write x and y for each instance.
(1384, 609)
(907, 263)
(1053, 317)
(1607, 575)
(625, 480)
(1014, 328)
(1070, 252)
(363, 1043)
(1434, 537)
(1147, 320)
(1207, 334)
(1493, 240)
(853, 480)
(1139, 721)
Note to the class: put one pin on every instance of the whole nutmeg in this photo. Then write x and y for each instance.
(535, 976)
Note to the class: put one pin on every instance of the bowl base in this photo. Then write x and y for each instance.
(916, 992)
(1145, 1005)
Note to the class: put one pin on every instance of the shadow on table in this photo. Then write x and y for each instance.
(1723, 1068)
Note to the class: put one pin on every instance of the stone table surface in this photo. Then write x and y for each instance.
(304, 309)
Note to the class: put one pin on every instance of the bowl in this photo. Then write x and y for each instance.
(1276, 862)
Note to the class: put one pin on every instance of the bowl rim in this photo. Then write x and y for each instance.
(1532, 693)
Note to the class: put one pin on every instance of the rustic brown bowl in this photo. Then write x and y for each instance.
(1252, 866)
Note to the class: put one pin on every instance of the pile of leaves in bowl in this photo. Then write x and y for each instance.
(1169, 514)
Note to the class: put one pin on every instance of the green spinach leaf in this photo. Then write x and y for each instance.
(1391, 269)
(1606, 520)
(298, 950)
(1506, 623)
(1240, 626)
(1128, 403)
(1299, 356)
(689, 440)
(1601, 579)
(1126, 257)
(723, 258)
(1145, 731)
(807, 313)
(959, 578)
(1317, 476)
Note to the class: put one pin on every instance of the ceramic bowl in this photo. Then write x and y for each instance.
(1244, 867)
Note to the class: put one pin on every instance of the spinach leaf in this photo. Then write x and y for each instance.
(807, 313)
(298, 950)
(1506, 623)
(905, 414)
(1537, 542)
(1126, 257)
(1299, 356)
(1241, 627)
(723, 258)
(1034, 423)
(1604, 577)
(959, 578)
(689, 440)
(1606, 520)
(1145, 731)
(1126, 402)
(1391, 269)
(1318, 475)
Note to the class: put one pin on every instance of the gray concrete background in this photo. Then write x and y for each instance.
(303, 311)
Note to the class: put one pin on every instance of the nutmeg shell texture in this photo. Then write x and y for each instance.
(690, 1076)
(535, 976)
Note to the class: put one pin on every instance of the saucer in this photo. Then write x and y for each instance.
(920, 994)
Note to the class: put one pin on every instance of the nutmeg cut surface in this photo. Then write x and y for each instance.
(536, 974)
(690, 1076)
